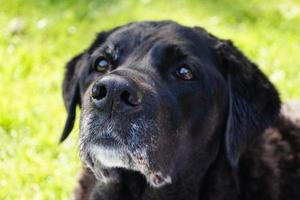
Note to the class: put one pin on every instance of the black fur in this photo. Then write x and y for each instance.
(249, 114)
(203, 138)
(71, 95)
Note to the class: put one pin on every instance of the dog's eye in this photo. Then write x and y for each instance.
(184, 72)
(101, 65)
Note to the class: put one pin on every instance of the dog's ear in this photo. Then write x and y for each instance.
(253, 101)
(71, 93)
(71, 86)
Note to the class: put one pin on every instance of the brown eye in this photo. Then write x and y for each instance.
(184, 73)
(101, 65)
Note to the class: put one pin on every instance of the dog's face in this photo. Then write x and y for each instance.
(157, 98)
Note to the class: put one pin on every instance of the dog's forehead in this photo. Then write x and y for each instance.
(138, 39)
(142, 33)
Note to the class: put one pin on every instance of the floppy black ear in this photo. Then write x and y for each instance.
(253, 101)
(71, 94)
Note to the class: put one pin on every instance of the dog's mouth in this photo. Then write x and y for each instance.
(109, 153)
(109, 141)
(104, 160)
(106, 145)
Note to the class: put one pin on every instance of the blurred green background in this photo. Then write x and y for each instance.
(38, 37)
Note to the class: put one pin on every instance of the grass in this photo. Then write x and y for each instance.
(38, 37)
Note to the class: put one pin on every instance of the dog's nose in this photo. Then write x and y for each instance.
(117, 90)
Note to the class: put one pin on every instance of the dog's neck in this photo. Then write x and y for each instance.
(220, 181)
(214, 180)
(217, 182)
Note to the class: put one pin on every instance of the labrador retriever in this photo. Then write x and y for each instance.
(173, 112)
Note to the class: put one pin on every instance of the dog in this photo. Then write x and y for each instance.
(173, 112)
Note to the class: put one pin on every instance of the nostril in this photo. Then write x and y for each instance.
(129, 99)
(125, 95)
(99, 92)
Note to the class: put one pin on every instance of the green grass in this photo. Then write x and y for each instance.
(32, 164)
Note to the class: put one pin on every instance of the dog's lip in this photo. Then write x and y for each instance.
(157, 179)
(156, 176)
(109, 141)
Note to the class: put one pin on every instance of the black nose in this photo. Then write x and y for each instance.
(116, 90)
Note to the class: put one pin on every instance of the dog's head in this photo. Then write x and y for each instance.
(164, 99)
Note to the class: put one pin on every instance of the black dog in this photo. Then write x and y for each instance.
(172, 112)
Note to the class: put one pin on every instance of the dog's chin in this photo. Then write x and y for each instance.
(111, 157)
(104, 151)
(104, 162)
